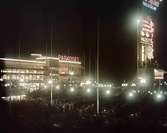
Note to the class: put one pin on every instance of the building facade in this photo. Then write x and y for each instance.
(146, 62)
(34, 74)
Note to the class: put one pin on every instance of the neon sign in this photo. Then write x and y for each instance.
(69, 58)
(152, 4)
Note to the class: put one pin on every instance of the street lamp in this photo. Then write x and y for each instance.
(107, 92)
(97, 66)
(88, 82)
(143, 81)
(72, 89)
(71, 73)
(57, 87)
(88, 90)
(130, 95)
(50, 81)
(51, 91)
(159, 97)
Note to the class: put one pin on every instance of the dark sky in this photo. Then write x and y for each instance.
(74, 23)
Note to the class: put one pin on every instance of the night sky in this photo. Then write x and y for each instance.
(74, 22)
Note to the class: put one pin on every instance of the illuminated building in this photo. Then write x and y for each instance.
(34, 74)
(62, 66)
(27, 73)
(145, 46)
(145, 40)
(152, 4)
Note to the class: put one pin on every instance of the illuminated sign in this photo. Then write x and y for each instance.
(159, 74)
(68, 58)
(152, 4)
(146, 38)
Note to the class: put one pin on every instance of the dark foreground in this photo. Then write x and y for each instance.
(38, 116)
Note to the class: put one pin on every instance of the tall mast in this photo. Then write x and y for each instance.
(97, 76)
(51, 40)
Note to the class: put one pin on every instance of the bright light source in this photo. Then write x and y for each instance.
(142, 81)
(108, 92)
(88, 82)
(138, 21)
(50, 81)
(72, 89)
(159, 97)
(88, 90)
(21, 80)
(1, 79)
(133, 85)
(81, 84)
(45, 86)
(110, 85)
(7, 84)
(130, 94)
(71, 73)
(37, 55)
(57, 87)
(124, 85)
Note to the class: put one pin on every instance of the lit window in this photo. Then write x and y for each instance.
(5, 76)
(13, 76)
